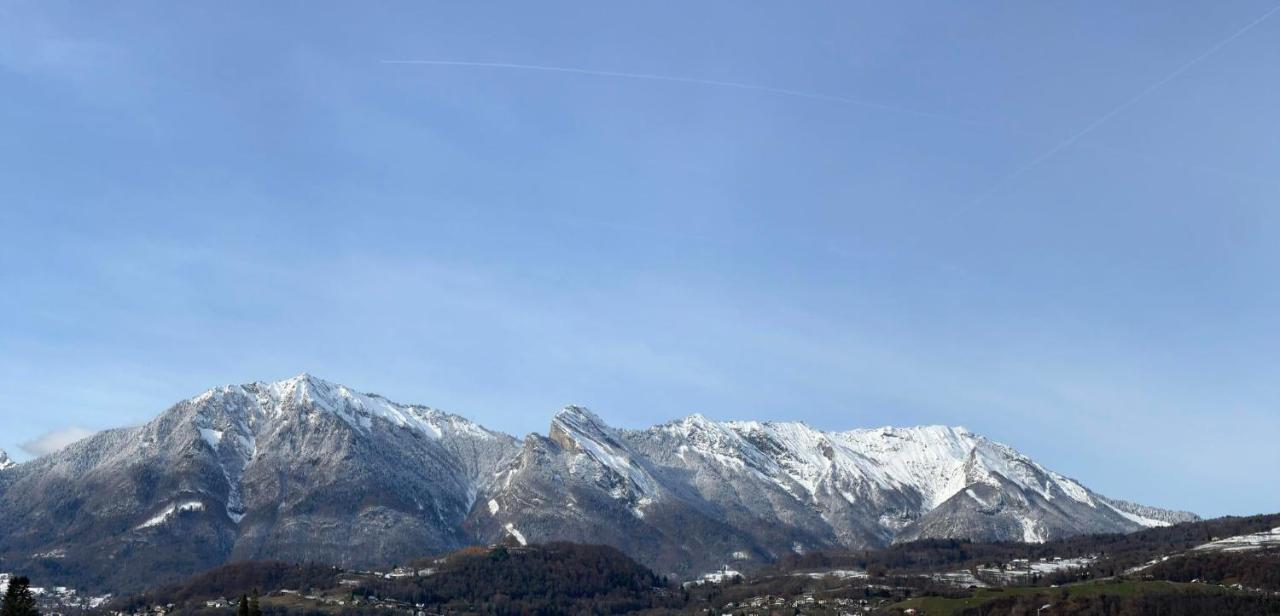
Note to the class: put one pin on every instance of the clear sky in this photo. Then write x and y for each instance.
(1056, 224)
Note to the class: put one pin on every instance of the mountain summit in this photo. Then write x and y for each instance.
(308, 470)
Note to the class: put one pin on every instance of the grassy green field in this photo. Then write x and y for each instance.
(940, 606)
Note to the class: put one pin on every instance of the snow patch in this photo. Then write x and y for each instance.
(978, 499)
(722, 576)
(511, 528)
(834, 573)
(169, 512)
(212, 437)
(1030, 533)
(1074, 490)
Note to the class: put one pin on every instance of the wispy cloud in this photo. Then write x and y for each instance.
(720, 83)
(55, 440)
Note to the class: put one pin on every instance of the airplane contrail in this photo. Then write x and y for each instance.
(1065, 143)
(869, 104)
(690, 80)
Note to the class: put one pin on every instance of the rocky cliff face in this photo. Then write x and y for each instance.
(307, 470)
(586, 483)
(787, 487)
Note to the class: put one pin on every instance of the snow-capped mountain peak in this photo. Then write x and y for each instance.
(575, 422)
(306, 393)
(5, 460)
(576, 429)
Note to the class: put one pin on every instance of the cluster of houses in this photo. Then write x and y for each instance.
(1021, 570)
(55, 599)
(767, 604)
(352, 580)
(406, 572)
(155, 610)
(1236, 586)
(724, 576)
(362, 602)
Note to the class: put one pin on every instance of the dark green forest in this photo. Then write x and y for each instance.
(559, 578)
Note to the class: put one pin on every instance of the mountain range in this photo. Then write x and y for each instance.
(306, 470)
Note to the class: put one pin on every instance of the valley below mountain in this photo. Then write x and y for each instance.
(1167, 570)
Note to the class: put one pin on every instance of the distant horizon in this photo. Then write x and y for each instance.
(1054, 224)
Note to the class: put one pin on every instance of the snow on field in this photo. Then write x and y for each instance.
(1020, 569)
(1149, 563)
(1062, 564)
(835, 573)
(959, 579)
(1239, 543)
(1256, 541)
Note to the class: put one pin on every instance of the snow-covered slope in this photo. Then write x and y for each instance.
(873, 486)
(307, 470)
(758, 490)
(298, 470)
(6, 461)
(597, 453)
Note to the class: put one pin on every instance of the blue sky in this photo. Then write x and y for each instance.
(198, 194)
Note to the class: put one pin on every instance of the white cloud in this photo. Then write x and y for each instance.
(54, 440)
